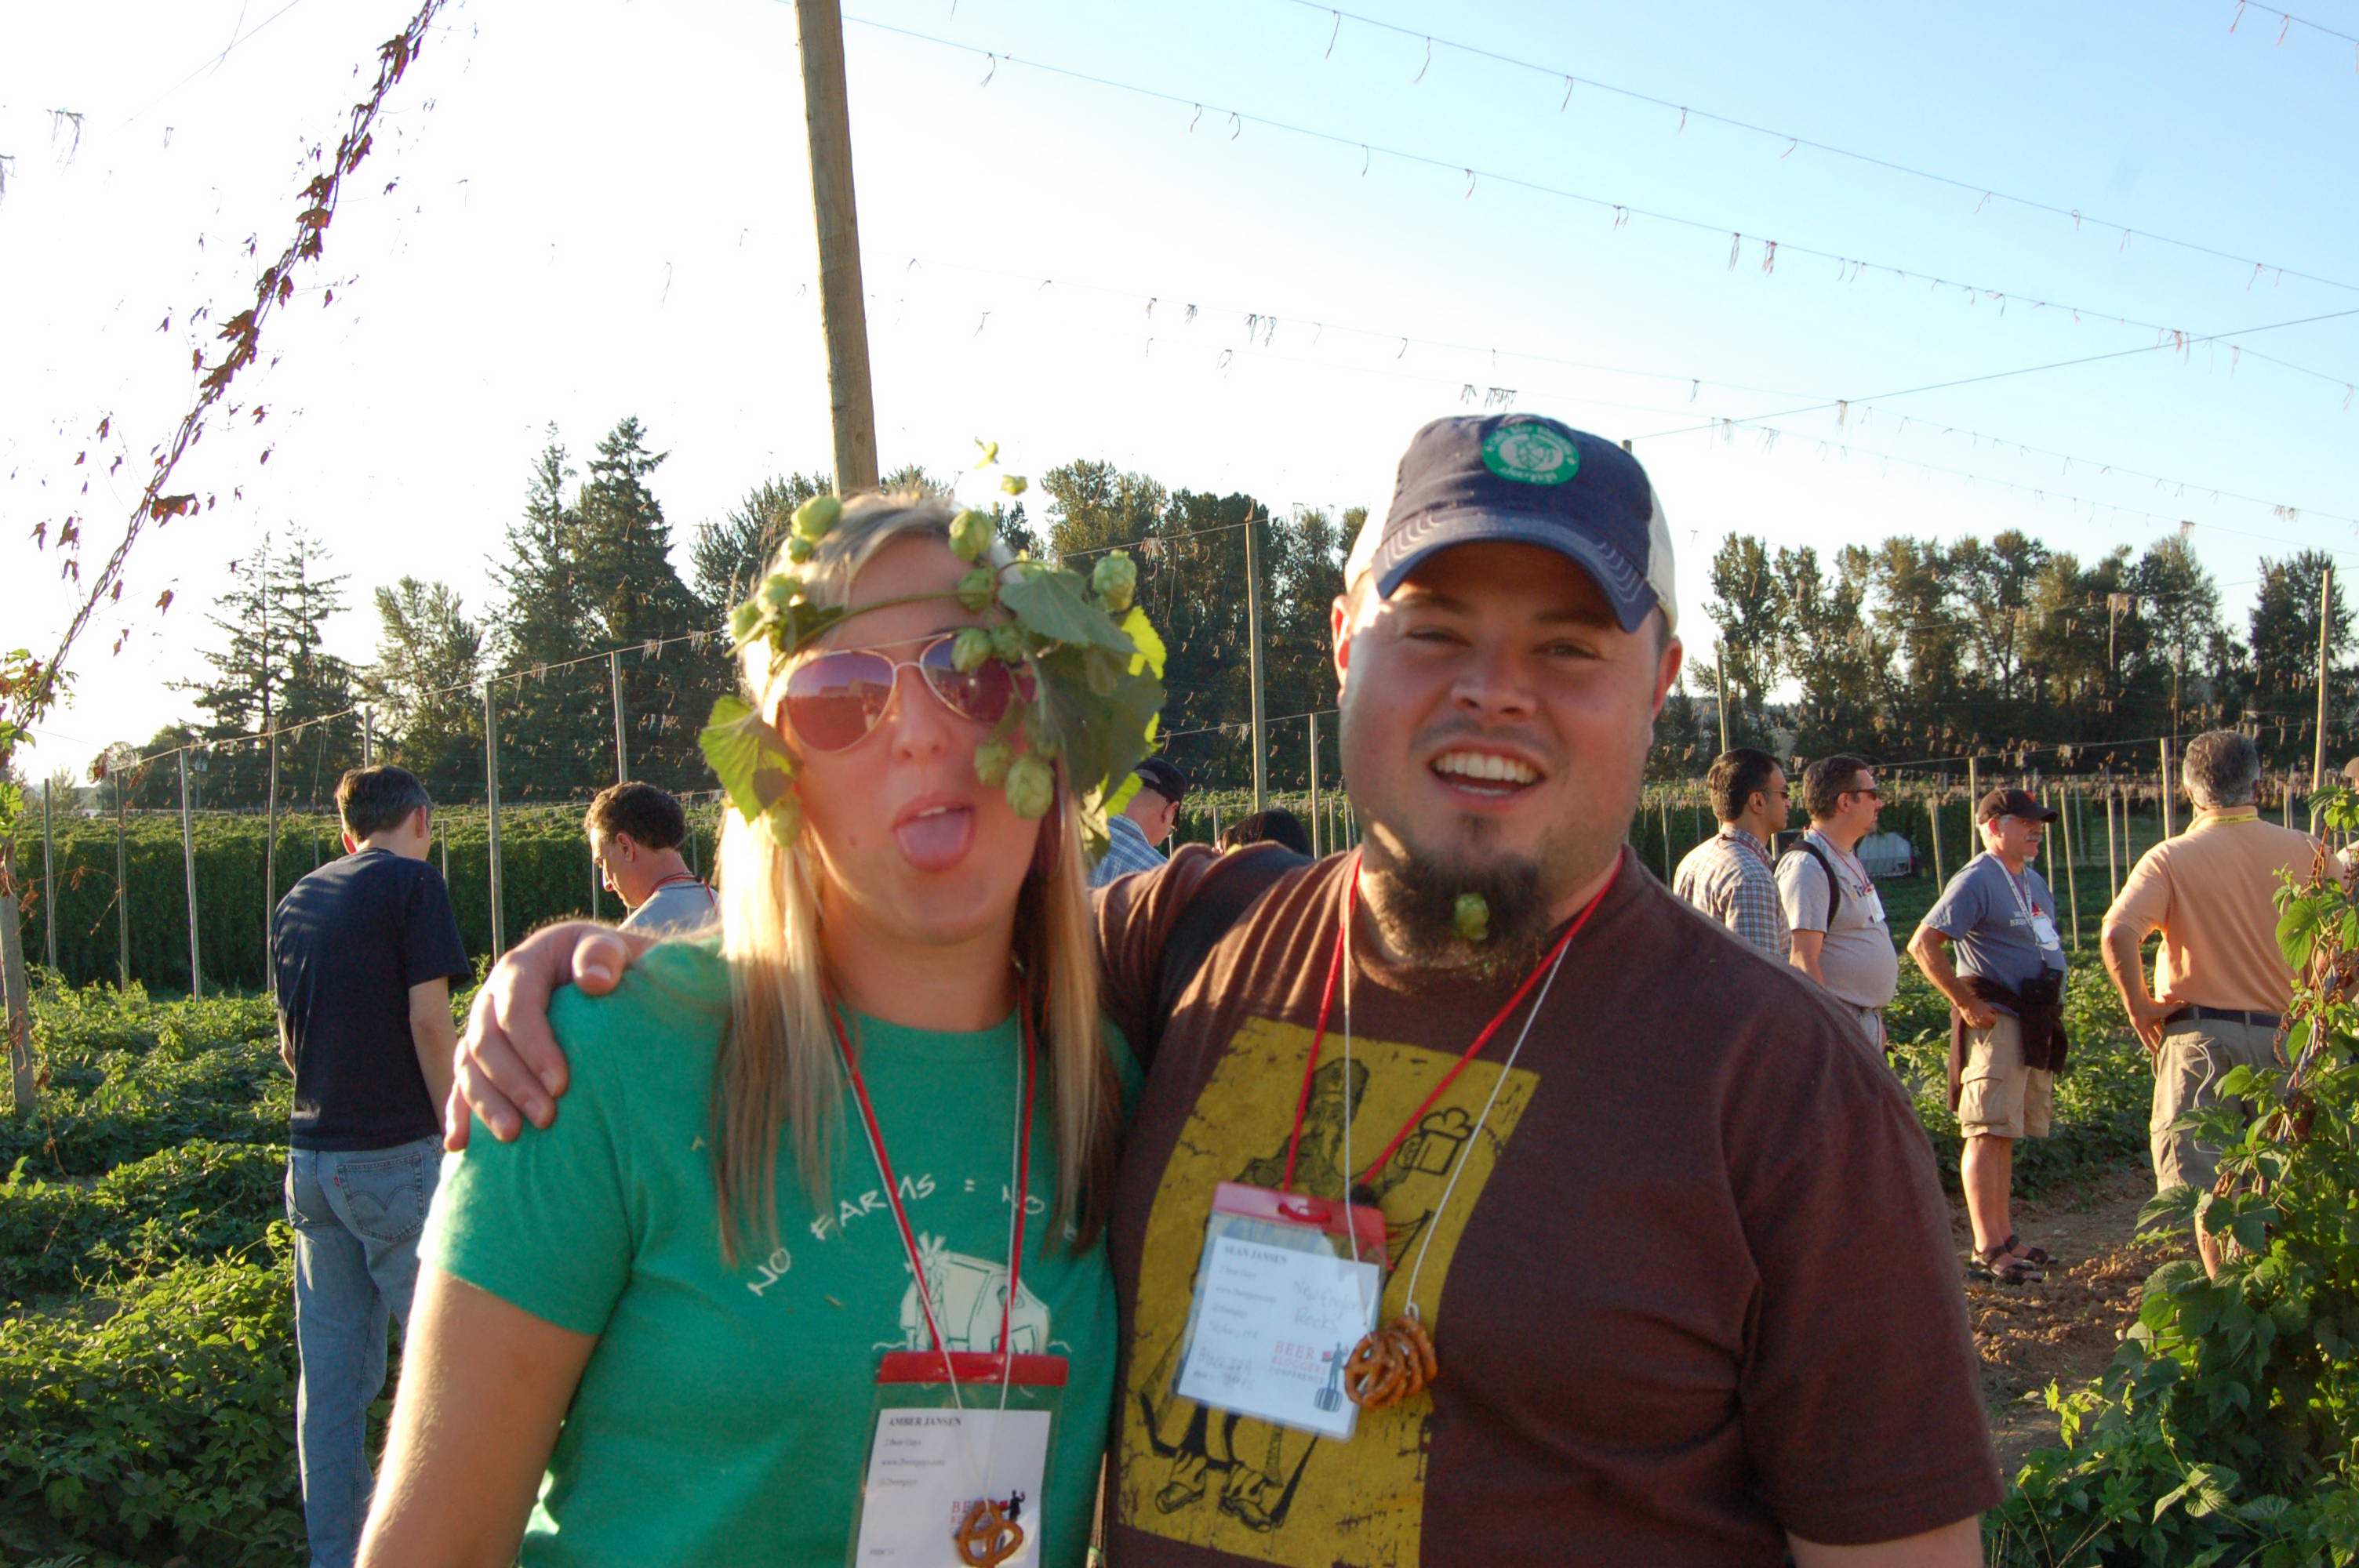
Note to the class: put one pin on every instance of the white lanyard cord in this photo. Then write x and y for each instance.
(1417, 1271)
(925, 1302)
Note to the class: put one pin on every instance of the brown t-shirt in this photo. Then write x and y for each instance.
(1694, 1288)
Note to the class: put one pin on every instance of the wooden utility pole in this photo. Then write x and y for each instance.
(368, 739)
(843, 316)
(2325, 618)
(1253, 653)
(2071, 879)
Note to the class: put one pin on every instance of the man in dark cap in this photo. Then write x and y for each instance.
(1675, 1243)
(2006, 1001)
(1134, 834)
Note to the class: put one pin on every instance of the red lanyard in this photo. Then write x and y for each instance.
(1327, 1002)
(893, 1188)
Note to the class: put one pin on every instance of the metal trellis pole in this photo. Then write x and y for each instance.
(2113, 865)
(270, 877)
(492, 813)
(2071, 880)
(1316, 836)
(122, 886)
(622, 752)
(1933, 810)
(49, 884)
(188, 872)
(1253, 654)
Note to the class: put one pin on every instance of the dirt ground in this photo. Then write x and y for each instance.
(2065, 1328)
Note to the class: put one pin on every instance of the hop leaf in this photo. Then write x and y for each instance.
(1115, 579)
(992, 760)
(1473, 916)
(1014, 484)
(970, 533)
(1030, 785)
(971, 649)
(814, 517)
(975, 589)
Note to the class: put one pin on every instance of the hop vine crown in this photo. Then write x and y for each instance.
(1096, 661)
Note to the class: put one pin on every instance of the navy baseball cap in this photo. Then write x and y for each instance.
(1528, 479)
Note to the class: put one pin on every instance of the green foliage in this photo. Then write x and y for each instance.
(200, 1199)
(2227, 1429)
(545, 874)
(155, 1422)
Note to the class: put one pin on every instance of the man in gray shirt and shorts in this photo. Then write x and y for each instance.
(2006, 999)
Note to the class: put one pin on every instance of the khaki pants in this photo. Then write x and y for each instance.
(1998, 1096)
(2196, 1054)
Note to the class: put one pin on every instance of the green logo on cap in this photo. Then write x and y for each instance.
(1531, 454)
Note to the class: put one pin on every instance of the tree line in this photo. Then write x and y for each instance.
(1911, 647)
(1915, 647)
(587, 563)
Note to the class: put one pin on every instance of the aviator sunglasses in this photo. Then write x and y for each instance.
(834, 700)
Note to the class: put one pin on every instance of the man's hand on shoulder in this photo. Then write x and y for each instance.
(508, 1068)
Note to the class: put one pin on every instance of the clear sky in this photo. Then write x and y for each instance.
(602, 208)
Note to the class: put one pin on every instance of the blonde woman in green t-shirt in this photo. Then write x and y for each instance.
(651, 1333)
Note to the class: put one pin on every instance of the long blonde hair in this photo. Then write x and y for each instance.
(779, 1069)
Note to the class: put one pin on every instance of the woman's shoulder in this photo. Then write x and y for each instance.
(664, 1019)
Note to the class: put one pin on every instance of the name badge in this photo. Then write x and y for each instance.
(2043, 931)
(1287, 1286)
(935, 1453)
(1873, 902)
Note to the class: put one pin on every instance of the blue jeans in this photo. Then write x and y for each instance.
(356, 1214)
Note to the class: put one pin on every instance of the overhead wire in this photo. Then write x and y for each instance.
(1622, 211)
(1792, 140)
(1860, 407)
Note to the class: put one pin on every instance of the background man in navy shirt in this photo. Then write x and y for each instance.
(366, 949)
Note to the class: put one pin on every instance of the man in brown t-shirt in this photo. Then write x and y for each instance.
(1679, 1242)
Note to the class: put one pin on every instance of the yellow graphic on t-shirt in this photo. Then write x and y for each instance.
(1237, 1484)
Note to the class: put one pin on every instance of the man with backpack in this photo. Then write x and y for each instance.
(1832, 911)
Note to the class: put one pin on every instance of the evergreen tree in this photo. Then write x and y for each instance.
(272, 672)
(550, 744)
(424, 690)
(1749, 608)
(727, 557)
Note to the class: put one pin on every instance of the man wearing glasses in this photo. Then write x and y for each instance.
(1729, 877)
(1832, 911)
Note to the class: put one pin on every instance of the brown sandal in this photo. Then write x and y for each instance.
(1995, 1266)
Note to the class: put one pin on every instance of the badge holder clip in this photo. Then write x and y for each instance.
(1287, 1285)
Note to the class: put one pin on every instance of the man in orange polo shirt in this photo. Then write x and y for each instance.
(2221, 983)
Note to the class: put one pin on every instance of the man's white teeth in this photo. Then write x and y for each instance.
(1487, 765)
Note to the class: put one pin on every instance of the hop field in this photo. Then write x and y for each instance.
(146, 1353)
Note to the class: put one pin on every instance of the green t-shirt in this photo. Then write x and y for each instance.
(724, 1417)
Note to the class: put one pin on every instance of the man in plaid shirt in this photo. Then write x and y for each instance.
(1730, 876)
(1133, 833)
